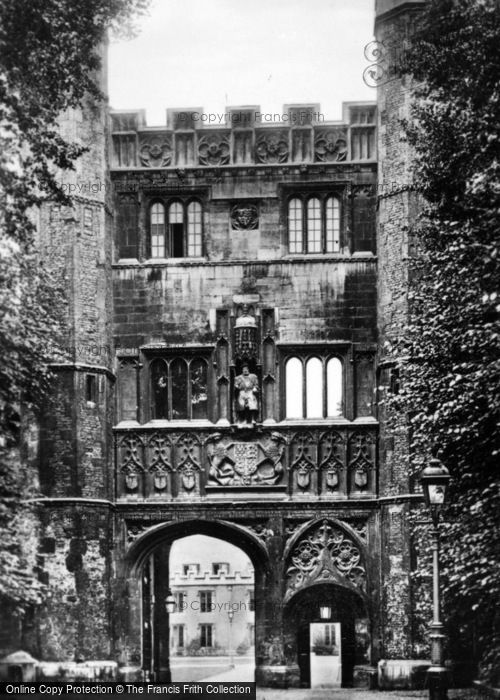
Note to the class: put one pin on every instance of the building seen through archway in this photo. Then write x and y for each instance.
(212, 628)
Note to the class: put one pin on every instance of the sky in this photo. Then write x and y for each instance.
(216, 53)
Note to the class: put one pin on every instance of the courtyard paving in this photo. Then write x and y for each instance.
(355, 694)
(243, 672)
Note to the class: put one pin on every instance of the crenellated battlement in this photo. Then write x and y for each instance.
(246, 135)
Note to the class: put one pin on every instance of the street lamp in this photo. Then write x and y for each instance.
(170, 602)
(434, 480)
(169, 608)
(230, 614)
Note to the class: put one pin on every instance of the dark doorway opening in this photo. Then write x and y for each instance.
(340, 612)
(177, 238)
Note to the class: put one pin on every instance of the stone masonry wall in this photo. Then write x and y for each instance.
(74, 564)
(75, 436)
(316, 301)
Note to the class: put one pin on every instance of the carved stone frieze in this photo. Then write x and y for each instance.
(272, 148)
(188, 463)
(304, 460)
(330, 145)
(324, 553)
(331, 462)
(155, 152)
(213, 149)
(131, 461)
(159, 451)
(361, 460)
(326, 464)
(238, 463)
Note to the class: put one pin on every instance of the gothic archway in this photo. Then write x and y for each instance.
(325, 567)
(147, 561)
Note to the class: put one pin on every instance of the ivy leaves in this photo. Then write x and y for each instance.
(450, 351)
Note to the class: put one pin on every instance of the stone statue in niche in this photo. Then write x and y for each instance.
(244, 217)
(246, 386)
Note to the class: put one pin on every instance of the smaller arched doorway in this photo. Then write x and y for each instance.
(326, 603)
(331, 629)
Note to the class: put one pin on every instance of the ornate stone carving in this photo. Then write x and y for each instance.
(131, 464)
(304, 449)
(134, 531)
(272, 148)
(245, 335)
(244, 217)
(213, 149)
(245, 463)
(303, 459)
(324, 553)
(188, 463)
(361, 527)
(155, 153)
(332, 461)
(188, 476)
(331, 146)
(159, 447)
(261, 530)
(361, 460)
(291, 527)
(160, 461)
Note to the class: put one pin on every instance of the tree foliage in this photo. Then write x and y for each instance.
(450, 354)
(49, 61)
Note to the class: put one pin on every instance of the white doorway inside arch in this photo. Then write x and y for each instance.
(325, 655)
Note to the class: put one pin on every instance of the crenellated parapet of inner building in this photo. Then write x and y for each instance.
(247, 135)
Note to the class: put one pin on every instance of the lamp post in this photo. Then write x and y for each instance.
(434, 480)
(230, 614)
(170, 608)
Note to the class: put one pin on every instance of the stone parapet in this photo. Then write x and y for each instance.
(244, 136)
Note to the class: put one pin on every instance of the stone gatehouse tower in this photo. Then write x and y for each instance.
(230, 290)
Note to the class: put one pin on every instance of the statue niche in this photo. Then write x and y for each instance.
(246, 391)
(246, 381)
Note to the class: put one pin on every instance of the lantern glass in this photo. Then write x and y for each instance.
(434, 480)
(170, 603)
(436, 494)
(325, 612)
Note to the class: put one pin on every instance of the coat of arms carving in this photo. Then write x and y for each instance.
(245, 463)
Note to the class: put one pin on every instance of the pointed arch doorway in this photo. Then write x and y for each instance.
(327, 613)
(331, 629)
